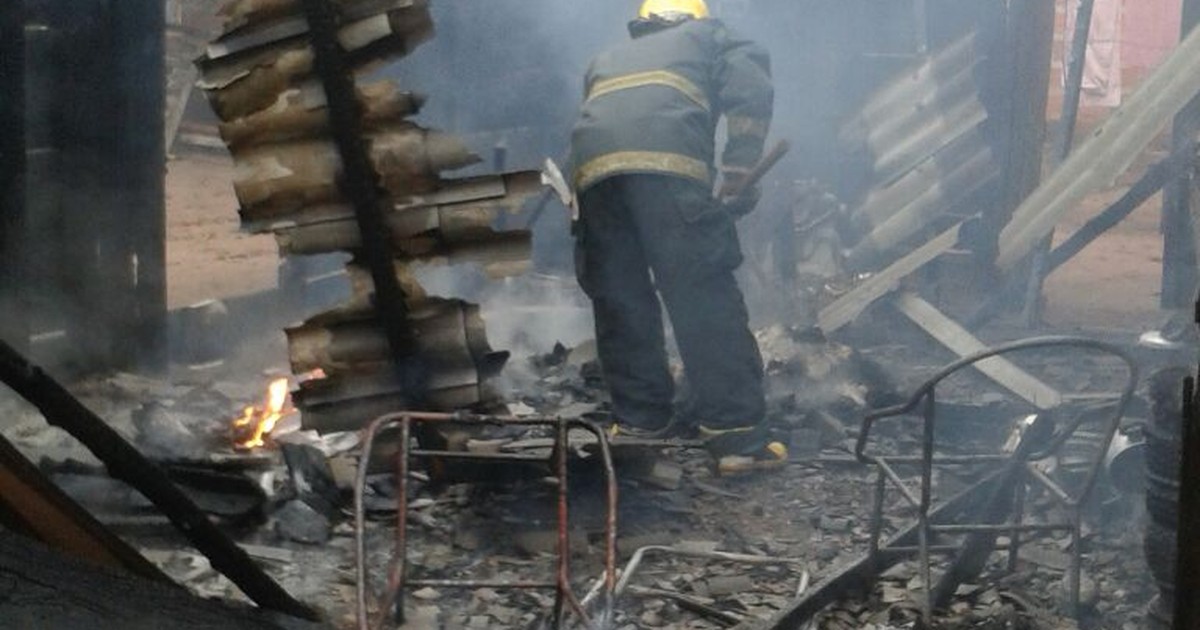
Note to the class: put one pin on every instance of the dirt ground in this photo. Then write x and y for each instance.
(1114, 283)
(208, 256)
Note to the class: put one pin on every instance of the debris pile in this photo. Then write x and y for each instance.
(803, 524)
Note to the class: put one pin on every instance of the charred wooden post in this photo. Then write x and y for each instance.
(1170, 391)
(13, 325)
(1187, 572)
(1187, 556)
(139, 205)
(1064, 141)
(1179, 276)
(1070, 106)
(90, 75)
(1029, 37)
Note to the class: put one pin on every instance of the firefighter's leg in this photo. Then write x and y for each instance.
(612, 270)
(691, 244)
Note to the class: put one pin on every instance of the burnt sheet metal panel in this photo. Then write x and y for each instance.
(13, 325)
(932, 168)
(94, 210)
(260, 76)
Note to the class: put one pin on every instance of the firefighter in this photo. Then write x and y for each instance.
(643, 156)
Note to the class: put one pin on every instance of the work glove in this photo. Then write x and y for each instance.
(737, 199)
(742, 204)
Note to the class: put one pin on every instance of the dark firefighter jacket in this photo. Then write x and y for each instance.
(652, 103)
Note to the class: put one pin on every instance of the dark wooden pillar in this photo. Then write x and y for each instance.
(139, 85)
(1028, 42)
(13, 325)
(1179, 277)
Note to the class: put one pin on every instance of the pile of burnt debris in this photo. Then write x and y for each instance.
(692, 550)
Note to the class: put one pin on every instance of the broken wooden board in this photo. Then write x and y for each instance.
(850, 306)
(959, 340)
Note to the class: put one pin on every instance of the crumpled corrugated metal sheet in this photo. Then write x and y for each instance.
(927, 153)
(259, 77)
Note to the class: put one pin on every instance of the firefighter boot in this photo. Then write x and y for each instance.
(744, 449)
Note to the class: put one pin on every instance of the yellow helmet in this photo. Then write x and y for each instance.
(695, 8)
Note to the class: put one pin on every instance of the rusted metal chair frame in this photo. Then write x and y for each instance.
(925, 398)
(398, 581)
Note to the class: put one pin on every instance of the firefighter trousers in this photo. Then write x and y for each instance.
(640, 237)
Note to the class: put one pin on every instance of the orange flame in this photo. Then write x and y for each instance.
(263, 419)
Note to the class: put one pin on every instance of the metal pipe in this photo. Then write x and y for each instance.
(923, 532)
(1076, 566)
(1000, 528)
(1074, 82)
(564, 544)
(518, 584)
(925, 397)
(1014, 534)
(1024, 344)
(877, 511)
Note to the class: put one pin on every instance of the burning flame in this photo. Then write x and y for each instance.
(257, 422)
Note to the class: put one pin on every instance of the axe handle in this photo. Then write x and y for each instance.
(764, 165)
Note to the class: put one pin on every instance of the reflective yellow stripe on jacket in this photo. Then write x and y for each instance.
(640, 161)
(653, 77)
(747, 126)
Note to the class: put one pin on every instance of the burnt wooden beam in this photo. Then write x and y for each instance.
(960, 341)
(43, 510)
(125, 463)
(360, 184)
(996, 509)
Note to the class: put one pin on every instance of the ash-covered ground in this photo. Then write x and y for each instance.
(800, 524)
